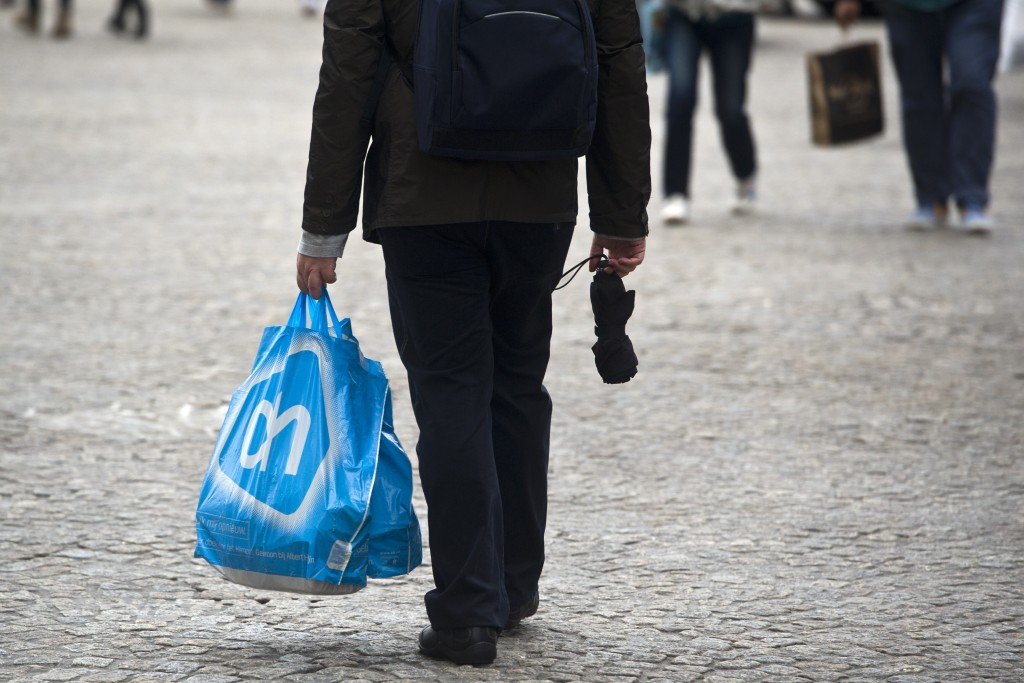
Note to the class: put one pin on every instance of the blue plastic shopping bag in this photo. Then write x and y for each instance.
(308, 489)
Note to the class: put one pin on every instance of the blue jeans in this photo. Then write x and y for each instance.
(471, 312)
(945, 62)
(729, 42)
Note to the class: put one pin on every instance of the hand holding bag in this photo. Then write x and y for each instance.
(308, 489)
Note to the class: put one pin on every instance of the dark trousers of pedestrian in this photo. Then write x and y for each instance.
(945, 62)
(123, 8)
(34, 8)
(471, 312)
(729, 42)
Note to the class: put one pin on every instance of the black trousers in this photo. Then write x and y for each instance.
(471, 311)
(122, 8)
(33, 6)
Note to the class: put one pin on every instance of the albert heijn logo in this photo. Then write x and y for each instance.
(280, 436)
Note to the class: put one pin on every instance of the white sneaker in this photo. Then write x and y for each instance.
(975, 220)
(675, 211)
(746, 197)
(927, 218)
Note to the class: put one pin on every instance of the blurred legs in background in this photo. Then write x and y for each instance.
(30, 18)
(311, 8)
(945, 62)
(118, 24)
(729, 41)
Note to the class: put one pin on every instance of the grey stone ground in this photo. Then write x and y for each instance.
(816, 476)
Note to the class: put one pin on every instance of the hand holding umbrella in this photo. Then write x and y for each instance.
(613, 353)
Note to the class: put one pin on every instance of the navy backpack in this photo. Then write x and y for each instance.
(510, 80)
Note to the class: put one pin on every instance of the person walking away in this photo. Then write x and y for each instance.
(472, 250)
(117, 24)
(310, 8)
(945, 53)
(725, 29)
(30, 18)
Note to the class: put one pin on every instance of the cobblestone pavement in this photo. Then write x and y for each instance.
(816, 476)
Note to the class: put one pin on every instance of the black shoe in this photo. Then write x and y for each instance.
(473, 645)
(527, 609)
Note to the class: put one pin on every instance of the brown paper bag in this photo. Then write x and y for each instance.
(846, 94)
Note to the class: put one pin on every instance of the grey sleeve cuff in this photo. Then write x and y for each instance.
(322, 246)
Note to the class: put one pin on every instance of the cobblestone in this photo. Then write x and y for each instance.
(816, 476)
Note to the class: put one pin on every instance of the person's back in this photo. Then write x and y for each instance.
(406, 187)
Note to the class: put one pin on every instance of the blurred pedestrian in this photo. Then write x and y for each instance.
(472, 251)
(945, 53)
(30, 18)
(118, 22)
(310, 8)
(725, 29)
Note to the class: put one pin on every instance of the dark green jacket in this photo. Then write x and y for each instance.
(403, 186)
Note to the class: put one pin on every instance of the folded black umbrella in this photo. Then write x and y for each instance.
(613, 353)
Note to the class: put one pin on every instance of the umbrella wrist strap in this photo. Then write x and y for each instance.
(603, 263)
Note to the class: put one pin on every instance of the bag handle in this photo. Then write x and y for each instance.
(320, 313)
(298, 316)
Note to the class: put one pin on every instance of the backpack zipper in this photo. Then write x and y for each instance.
(536, 14)
(584, 28)
(457, 15)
